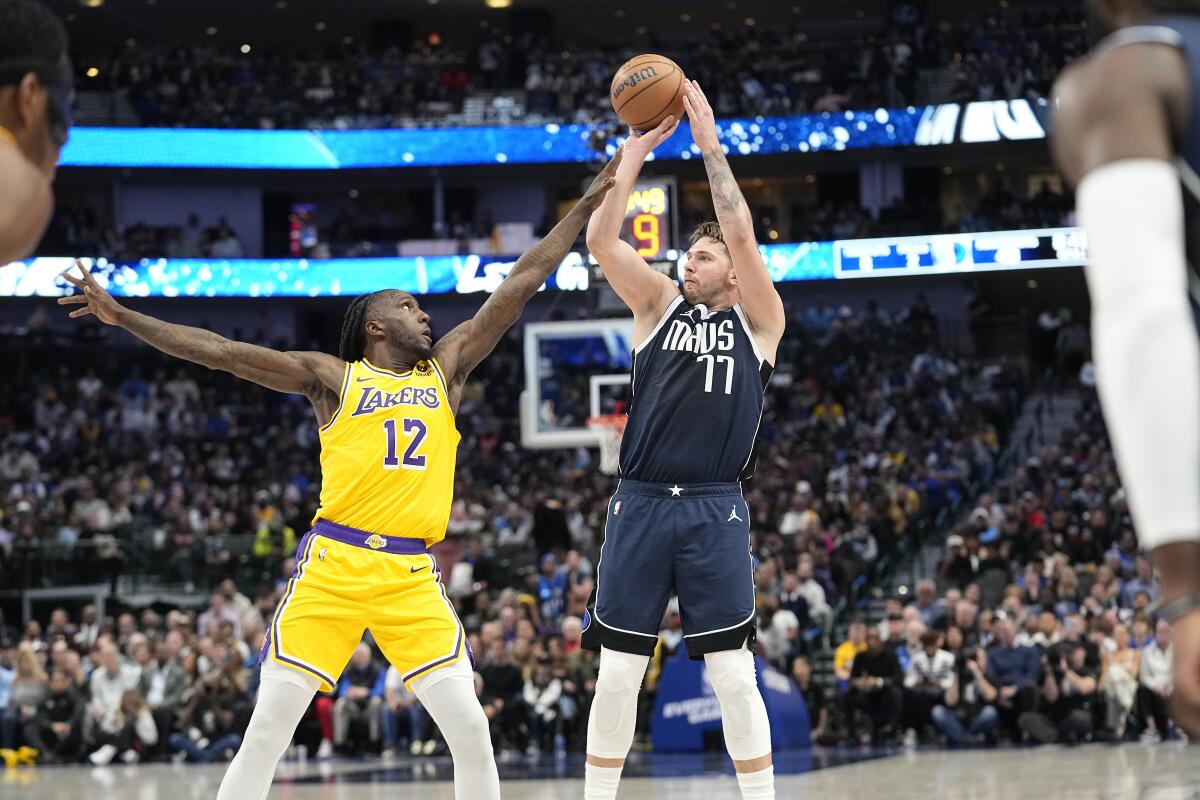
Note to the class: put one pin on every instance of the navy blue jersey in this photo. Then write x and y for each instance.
(1182, 32)
(697, 399)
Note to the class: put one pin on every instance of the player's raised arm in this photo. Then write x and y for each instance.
(308, 373)
(644, 290)
(759, 300)
(464, 347)
(1116, 122)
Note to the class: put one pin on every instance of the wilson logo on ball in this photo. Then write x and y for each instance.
(633, 80)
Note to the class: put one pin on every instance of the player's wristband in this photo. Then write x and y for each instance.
(1176, 608)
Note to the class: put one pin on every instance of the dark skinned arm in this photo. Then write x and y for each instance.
(461, 350)
(316, 375)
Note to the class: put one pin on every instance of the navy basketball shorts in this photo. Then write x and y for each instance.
(691, 539)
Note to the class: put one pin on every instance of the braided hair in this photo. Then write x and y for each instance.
(353, 343)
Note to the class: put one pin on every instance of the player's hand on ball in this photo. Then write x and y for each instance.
(95, 298)
(602, 183)
(700, 115)
(641, 145)
(1185, 700)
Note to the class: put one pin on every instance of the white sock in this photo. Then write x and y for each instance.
(757, 785)
(600, 783)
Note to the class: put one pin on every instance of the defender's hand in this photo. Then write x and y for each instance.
(95, 298)
(700, 115)
(602, 183)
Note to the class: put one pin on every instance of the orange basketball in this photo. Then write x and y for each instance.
(647, 89)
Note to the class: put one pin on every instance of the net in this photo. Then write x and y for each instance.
(609, 429)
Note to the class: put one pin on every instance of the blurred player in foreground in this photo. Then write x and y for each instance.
(35, 116)
(1128, 136)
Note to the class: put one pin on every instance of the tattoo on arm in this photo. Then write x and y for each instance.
(727, 197)
(193, 344)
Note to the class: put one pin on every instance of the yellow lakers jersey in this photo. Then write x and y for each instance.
(387, 455)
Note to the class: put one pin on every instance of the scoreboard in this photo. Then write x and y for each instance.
(650, 220)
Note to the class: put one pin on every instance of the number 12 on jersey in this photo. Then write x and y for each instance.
(412, 460)
(710, 363)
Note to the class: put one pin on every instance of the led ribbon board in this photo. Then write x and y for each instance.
(847, 259)
(986, 121)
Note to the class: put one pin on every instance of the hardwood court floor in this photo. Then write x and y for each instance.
(1096, 772)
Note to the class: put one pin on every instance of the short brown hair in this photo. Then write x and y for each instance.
(707, 230)
(930, 637)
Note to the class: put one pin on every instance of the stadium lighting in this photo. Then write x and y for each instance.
(93, 3)
(498, 3)
(92, 72)
(245, 48)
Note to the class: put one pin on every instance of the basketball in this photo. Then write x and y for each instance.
(647, 89)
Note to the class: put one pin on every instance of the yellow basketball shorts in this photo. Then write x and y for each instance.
(347, 581)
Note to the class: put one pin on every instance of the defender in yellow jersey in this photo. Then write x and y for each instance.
(386, 410)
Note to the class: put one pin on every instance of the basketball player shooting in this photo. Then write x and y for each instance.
(385, 408)
(1127, 134)
(677, 522)
(35, 115)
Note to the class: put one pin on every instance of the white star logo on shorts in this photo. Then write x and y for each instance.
(676, 491)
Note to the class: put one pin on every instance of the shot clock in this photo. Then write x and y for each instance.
(650, 219)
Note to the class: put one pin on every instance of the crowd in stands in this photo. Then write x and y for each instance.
(78, 229)
(124, 467)
(376, 229)
(749, 70)
(1036, 628)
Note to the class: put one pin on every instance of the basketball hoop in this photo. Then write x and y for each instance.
(609, 429)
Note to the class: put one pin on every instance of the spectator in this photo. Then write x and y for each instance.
(8, 712)
(402, 711)
(216, 714)
(29, 689)
(1069, 689)
(163, 685)
(552, 589)
(542, 695)
(928, 681)
(932, 612)
(359, 697)
(1155, 683)
(56, 730)
(847, 651)
(127, 732)
(814, 698)
(218, 613)
(1013, 670)
(875, 692)
(969, 709)
(1119, 681)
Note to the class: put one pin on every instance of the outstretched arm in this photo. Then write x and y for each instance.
(641, 288)
(760, 301)
(461, 350)
(316, 375)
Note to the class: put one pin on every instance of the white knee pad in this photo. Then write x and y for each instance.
(614, 708)
(617, 685)
(743, 713)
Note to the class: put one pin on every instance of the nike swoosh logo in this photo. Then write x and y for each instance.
(363, 380)
(413, 570)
